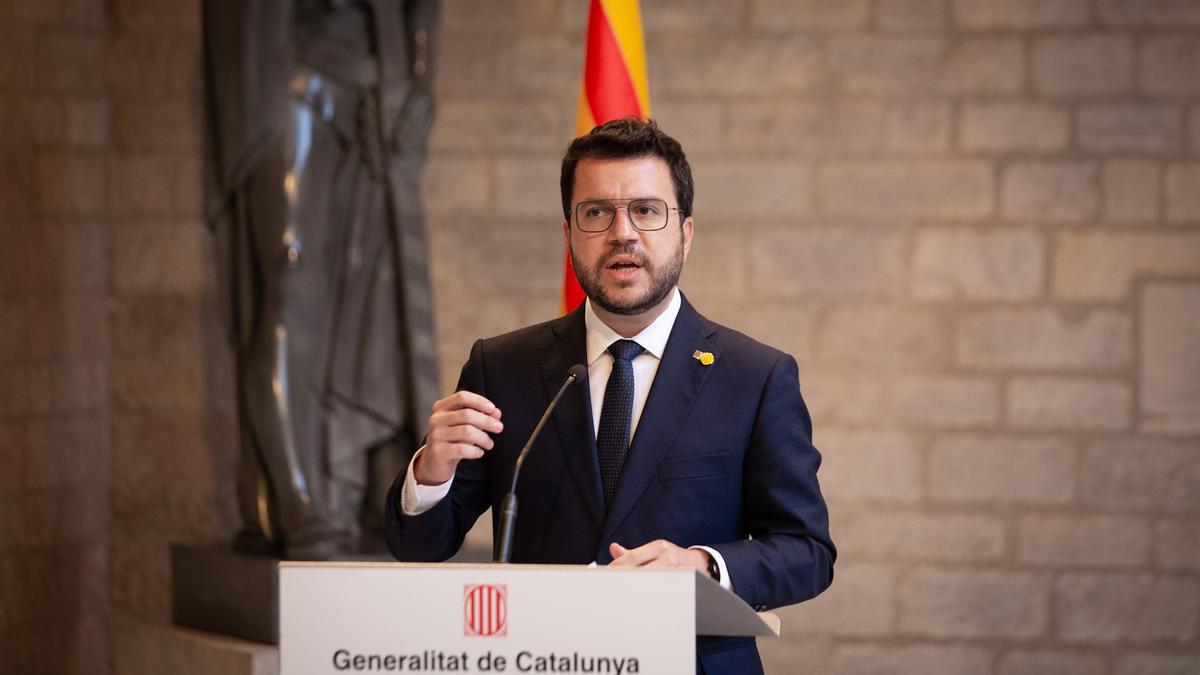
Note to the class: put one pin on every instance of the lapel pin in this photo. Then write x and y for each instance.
(705, 358)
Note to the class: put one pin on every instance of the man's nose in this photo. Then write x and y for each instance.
(622, 228)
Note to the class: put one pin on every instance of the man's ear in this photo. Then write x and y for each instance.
(566, 226)
(688, 231)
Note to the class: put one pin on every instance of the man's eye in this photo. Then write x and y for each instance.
(646, 210)
(595, 212)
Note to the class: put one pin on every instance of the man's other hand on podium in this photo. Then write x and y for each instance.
(659, 553)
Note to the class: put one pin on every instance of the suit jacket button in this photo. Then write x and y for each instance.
(759, 608)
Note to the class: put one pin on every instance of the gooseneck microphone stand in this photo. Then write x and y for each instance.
(508, 511)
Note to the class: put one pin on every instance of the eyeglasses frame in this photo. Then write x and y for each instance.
(616, 205)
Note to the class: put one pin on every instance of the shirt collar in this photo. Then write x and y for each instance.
(653, 338)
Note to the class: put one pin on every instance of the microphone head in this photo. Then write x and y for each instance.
(577, 372)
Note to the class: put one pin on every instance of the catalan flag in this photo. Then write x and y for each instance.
(614, 86)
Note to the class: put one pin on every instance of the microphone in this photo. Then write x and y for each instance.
(508, 511)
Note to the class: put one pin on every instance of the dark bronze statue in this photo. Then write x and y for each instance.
(318, 114)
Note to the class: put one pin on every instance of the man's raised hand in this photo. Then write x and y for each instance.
(458, 430)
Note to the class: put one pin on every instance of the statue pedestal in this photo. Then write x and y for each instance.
(218, 589)
(144, 649)
(215, 588)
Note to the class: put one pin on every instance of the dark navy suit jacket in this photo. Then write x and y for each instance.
(722, 457)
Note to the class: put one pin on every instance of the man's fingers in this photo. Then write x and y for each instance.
(451, 454)
(466, 451)
(435, 468)
(458, 430)
(488, 423)
(658, 553)
(642, 555)
(461, 433)
(465, 399)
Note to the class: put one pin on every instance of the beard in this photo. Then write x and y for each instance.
(662, 281)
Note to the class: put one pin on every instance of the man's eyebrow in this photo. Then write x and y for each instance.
(623, 199)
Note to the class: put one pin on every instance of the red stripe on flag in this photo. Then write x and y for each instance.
(573, 294)
(606, 79)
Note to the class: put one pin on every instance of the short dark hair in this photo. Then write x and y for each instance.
(628, 138)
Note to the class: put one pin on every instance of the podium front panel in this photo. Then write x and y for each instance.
(381, 618)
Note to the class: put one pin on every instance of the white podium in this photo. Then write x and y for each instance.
(446, 618)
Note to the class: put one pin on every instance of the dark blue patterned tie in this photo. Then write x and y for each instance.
(612, 439)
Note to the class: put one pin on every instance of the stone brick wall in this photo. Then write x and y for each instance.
(115, 419)
(974, 222)
(171, 397)
(54, 339)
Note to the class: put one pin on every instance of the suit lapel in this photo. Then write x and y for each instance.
(572, 419)
(677, 385)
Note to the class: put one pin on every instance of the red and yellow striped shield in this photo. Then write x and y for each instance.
(614, 86)
(485, 610)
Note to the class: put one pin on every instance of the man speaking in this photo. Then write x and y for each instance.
(689, 444)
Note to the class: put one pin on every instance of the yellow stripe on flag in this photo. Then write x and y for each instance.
(584, 121)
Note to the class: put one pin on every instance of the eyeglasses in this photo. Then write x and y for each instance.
(646, 214)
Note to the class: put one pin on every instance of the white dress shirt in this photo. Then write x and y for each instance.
(653, 340)
(416, 498)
